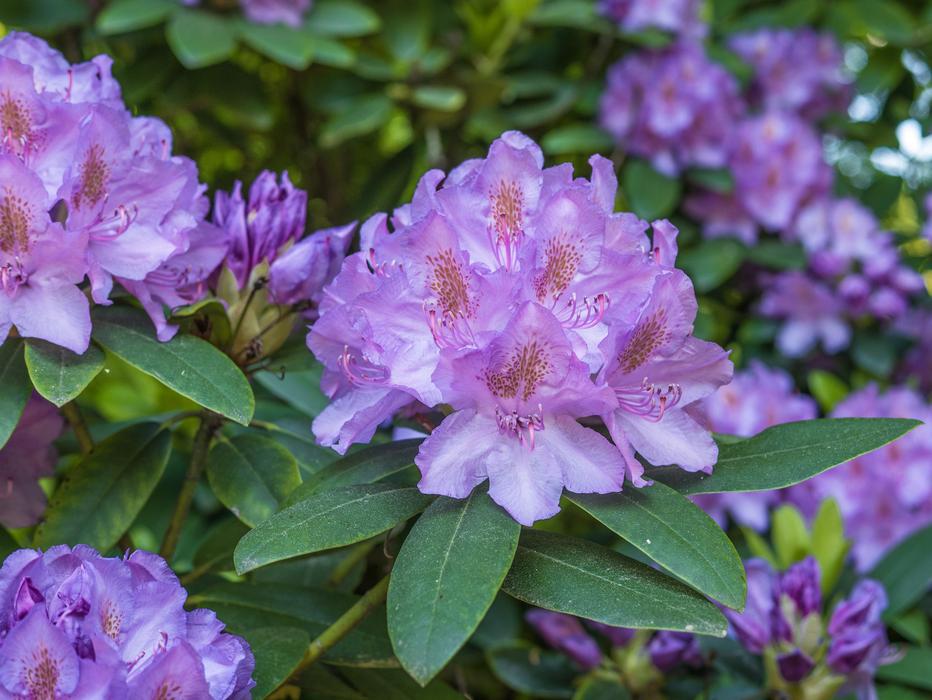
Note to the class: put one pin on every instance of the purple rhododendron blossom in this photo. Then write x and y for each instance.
(669, 650)
(799, 70)
(674, 107)
(566, 634)
(27, 456)
(78, 625)
(757, 398)
(675, 16)
(301, 272)
(877, 518)
(811, 313)
(516, 296)
(290, 12)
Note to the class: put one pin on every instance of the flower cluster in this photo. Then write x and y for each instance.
(74, 624)
(854, 270)
(515, 296)
(27, 456)
(649, 655)
(799, 70)
(785, 622)
(674, 107)
(878, 518)
(674, 16)
(88, 191)
(757, 398)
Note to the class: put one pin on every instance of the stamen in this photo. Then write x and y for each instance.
(359, 374)
(650, 401)
(506, 229)
(449, 331)
(578, 315)
(522, 427)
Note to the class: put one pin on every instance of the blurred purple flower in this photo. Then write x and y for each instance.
(670, 650)
(289, 12)
(812, 314)
(302, 271)
(566, 634)
(75, 624)
(675, 16)
(28, 456)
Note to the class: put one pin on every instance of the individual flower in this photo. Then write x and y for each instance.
(799, 70)
(670, 650)
(916, 324)
(289, 12)
(674, 107)
(675, 16)
(78, 625)
(877, 518)
(502, 291)
(566, 634)
(303, 270)
(811, 314)
(757, 398)
(27, 456)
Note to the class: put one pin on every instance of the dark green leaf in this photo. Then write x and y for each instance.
(677, 534)
(278, 650)
(888, 20)
(367, 466)
(252, 475)
(126, 15)
(602, 689)
(190, 366)
(576, 138)
(100, 497)
(246, 606)
(652, 195)
(395, 685)
(503, 622)
(527, 669)
(342, 18)
(581, 578)
(326, 520)
(215, 551)
(912, 669)
(715, 179)
(16, 386)
(289, 46)
(59, 374)
(200, 39)
(906, 571)
(787, 454)
(712, 262)
(874, 353)
(577, 14)
(45, 16)
(299, 388)
(776, 255)
(445, 578)
(362, 116)
(319, 683)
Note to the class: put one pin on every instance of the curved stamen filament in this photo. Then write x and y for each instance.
(359, 374)
(576, 314)
(448, 330)
(522, 427)
(650, 401)
(116, 225)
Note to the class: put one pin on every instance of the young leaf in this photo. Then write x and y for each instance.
(252, 475)
(327, 520)
(342, 18)
(100, 497)
(829, 545)
(16, 386)
(59, 374)
(581, 578)
(787, 454)
(677, 534)
(188, 365)
(278, 651)
(445, 578)
(906, 571)
(790, 536)
(126, 15)
(247, 606)
(290, 46)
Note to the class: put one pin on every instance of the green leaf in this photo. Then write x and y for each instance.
(445, 578)
(759, 547)
(787, 454)
(299, 388)
(715, 179)
(363, 115)
(252, 475)
(342, 18)
(278, 651)
(99, 498)
(875, 353)
(377, 684)
(581, 578)
(712, 263)
(912, 669)
(367, 466)
(602, 689)
(913, 626)
(790, 536)
(200, 39)
(887, 20)
(290, 46)
(677, 534)
(247, 606)
(188, 365)
(829, 545)
(126, 15)
(44, 16)
(443, 98)
(576, 14)
(652, 195)
(16, 386)
(828, 389)
(326, 520)
(59, 374)
(528, 669)
(776, 255)
(906, 571)
(319, 683)
(576, 138)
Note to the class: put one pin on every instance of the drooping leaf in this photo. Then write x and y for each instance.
(278, 651)
(246, 606)
(199, 38)
(906, 571)
(531, 670)
(59, 374)
(333, 518)
(712, 263)
(252, 476)
(581, 578)
(99, 498)
(445, 578)
(188, 365)
(127, 15)
(787, 454)
(14, 379)
(675, 533)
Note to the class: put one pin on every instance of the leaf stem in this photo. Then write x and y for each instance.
(345, 624)
(75, 419)
(210, 423)
(349, 562)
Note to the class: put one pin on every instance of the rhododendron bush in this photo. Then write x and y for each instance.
(527, 349)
